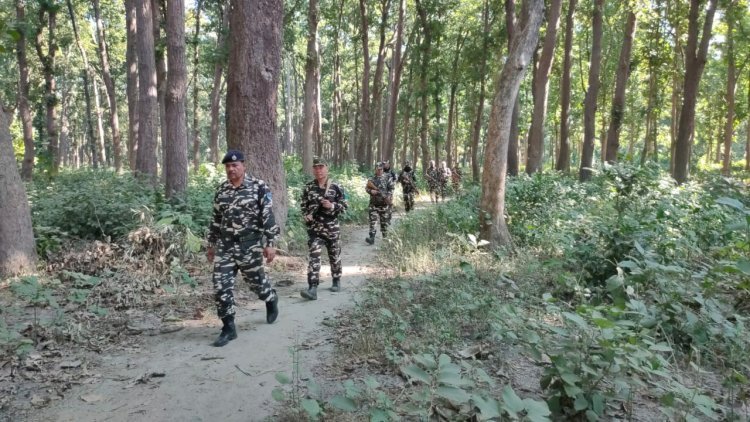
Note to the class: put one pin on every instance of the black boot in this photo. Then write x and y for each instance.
(336, 286)
(311, 293)
(228, 331)
(370, 239)
(272, 310)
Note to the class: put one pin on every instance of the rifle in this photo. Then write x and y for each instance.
(318, 198)
(385, 198)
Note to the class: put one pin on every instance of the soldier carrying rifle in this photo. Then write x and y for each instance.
(322, 202)
(380, 188)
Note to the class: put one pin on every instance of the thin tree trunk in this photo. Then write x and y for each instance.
(252, 84)
(618, 101)
(131, 59)
(426, 51)
(147, 95)
(377, 83)
(364, 149)
(726, 168)
(195, 132)
(88, 80)
(395, 86)
(109, 83)
(336, 111)
(589, 114)
(50, 84)
(175, 127)
(535, 151)
(513, 147)
(492, 225)
(563, 157)
(747, 132)
(695, 61)
(216, 87)
(312, 67)
(477, 125)
(161, 82)
(24, 110)
(100, 138)
(452, 101)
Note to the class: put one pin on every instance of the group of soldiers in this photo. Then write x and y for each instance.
(243, 230)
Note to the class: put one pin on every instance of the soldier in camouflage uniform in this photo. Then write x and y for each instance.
(388, 171)
(322, 202)
(408, 181)
(380, 188)
(444, 175)
(242, 216)
(433, 182)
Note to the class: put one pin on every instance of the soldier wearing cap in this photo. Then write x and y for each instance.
(380, 188)
(388, 171)
(408, 180)
(242, 218)
(322, 202)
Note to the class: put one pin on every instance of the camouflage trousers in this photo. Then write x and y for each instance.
(382, 213)
(315, 242)
(232, 257)
(408, 201)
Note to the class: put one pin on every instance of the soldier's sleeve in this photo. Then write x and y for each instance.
(270, 228)
(341, 203)
(215, 227)
(390, 186)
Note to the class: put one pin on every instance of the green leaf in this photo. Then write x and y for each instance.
(414, 372)
(577, 319)
(489, 407)
(455, 395)
(379, 415)
(581, 403)
(343, 403)
(744, 266)
(311, 407)
(426, 360)
(371, 383)
(511, 402)
(597, 401)
(283, 378)
(278, 394)
(731, 202)
(660, 347)
(537, 410)
(386, 313)
(570, 378)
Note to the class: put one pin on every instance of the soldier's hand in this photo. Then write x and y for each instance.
(308, 217)
(326, 204)
(269, 253)
(210, 254)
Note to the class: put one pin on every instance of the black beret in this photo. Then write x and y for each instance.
(232, 155)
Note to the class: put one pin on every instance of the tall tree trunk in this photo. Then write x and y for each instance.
(747, 132)
(377, 83)
(726, 168)
(336, 109)
(589, 114)
(109, 83)
(131, 60)
(364, 148)
(175, 130)
(649, 144)
(695, 61)
(535, 151)
(90, 141)
(452, 101)
(477, 125)
(195, 132)
(17, 250)
(88, 79)
(24, 110)
(252, 82)
(216, 86)
(424, 129)
(312, 69)
(492, 225)
(618, 100)
(513, 148)
(101, 146)
(147, 95)
(48, 18)
(395, 86)
(563, 156)
(161, 81)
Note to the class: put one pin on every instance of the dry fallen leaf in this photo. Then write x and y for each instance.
(92, 398)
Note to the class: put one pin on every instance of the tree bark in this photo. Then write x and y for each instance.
(101, 147)
(109, 83)
(175, 130)
(24, 110)
(513, 161)
(17, 249)
(147, 95)
(364, 148)
(377, 84)
(312, 69)
(695, 61)
(747, 132)
(252, 81)
(131, 60)
(589, 114)
(726, 168)
(159, 17)
(535, 147)
(216, 86)
(477, 125)
(492, 225)
(195, 132)
(424, 129)
(618, 100)
(395, 85)
(50, 84)
(563, 156)
(452, 101)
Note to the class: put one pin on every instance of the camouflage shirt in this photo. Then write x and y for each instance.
(312, 194)
(385, 185)
(243, 213)
(408, 180)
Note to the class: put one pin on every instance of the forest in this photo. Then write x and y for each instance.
(591, 262)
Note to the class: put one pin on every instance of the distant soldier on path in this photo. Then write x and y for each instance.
(433, 182)
(380, 188)
(408, 180)
(444, 176)
(242, 217)
(322, 202)
(456, 176)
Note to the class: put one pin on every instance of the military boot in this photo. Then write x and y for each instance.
(311, 293)
(228, 331)
(370, 239)
(272, 309)
(336, 286)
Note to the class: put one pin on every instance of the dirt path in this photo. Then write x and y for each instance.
(180, 377)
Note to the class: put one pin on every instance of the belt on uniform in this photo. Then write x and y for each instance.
(242, 238)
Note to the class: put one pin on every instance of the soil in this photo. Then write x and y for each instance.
(173, 373)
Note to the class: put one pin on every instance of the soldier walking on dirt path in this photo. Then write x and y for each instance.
(322, 202)
(242, 217)
(408, 180)
(380, 188)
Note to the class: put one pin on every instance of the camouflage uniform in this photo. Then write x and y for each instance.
(456, 179)
(324, 228)
(242, 216)
(408, 180)
(380, 204)
(443, 175)
(433, 181)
